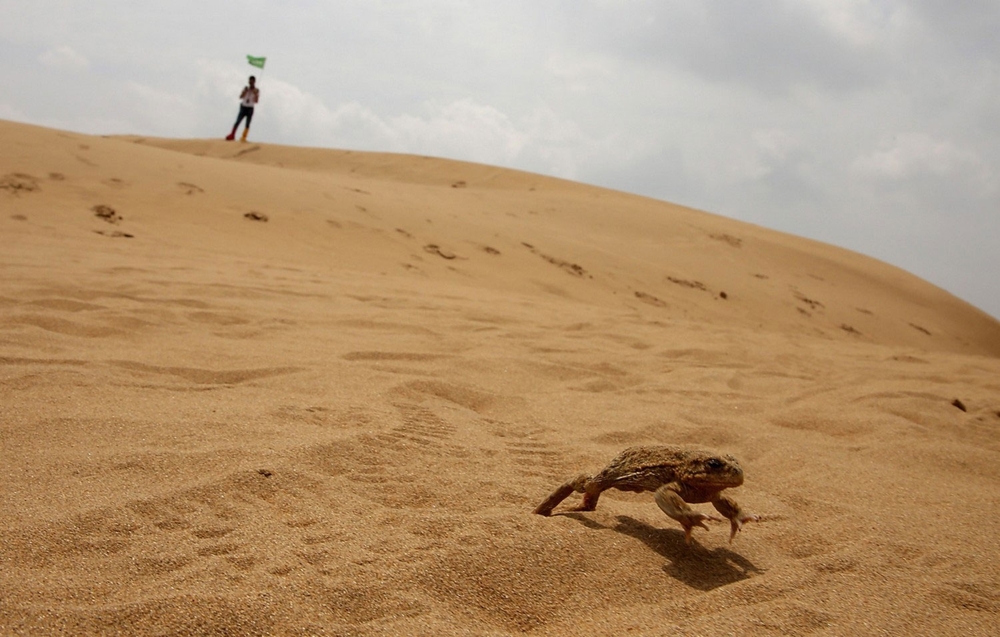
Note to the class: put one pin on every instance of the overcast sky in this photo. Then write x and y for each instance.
(871, 125)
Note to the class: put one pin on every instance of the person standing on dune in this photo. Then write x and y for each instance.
(248, 99)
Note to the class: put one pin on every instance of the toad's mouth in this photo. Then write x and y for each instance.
(727, 481)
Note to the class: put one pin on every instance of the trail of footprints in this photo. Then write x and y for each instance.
(190, 531)
(220, 528)
(526, 447)
(212, 523)
(259, 526)
(421, 427)
(375, 458)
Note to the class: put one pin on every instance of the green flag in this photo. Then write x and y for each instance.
(258, 62)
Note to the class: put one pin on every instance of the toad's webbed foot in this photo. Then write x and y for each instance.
(737, 517)
(694, 519)
(737, 523)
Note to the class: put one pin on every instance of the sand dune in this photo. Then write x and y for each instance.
(250, 389)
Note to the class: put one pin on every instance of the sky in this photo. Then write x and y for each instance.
(868, 124)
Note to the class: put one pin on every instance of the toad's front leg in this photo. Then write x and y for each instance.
(737, 517)
(670, 498)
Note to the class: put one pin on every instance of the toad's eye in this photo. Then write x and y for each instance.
(714, 464)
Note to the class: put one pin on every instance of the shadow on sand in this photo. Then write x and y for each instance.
(694, 565)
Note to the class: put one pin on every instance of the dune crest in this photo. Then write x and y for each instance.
(252, 389)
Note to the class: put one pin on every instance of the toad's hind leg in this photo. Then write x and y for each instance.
(578, 484)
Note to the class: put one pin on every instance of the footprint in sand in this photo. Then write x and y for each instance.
(189, 189)
(850, 330)
(650, 299)
(405, 466)
(433, 248)
(107, 213)
(328, 417)
(247, 150)
(421, 426)
(694, 285)
(17, 183)
(535, 458)
(115, 234)
(920, 329)
(812, 303)
(906, 358)
(572, 268)
(727, 238)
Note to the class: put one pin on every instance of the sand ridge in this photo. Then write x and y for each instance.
(338, 420)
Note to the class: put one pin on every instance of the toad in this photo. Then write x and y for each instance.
(676, 476)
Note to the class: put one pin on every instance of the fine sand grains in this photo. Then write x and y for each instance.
(318, 425)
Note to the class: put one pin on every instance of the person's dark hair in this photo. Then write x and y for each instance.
(253, 78)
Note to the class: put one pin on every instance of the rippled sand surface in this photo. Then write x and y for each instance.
(260, 390)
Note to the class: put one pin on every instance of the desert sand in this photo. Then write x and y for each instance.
(257, 390)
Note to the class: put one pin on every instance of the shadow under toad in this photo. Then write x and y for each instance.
(695, 565)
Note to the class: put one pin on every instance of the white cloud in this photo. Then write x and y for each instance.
(774, 143)
(912, 154)
(860, 22)
(162, 112)
(766, 151)
(463, 128)
(219, 78)
(64, 57)
(578, 71)
(8, 111)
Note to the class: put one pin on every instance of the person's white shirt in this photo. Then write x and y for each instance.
(250, 96)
